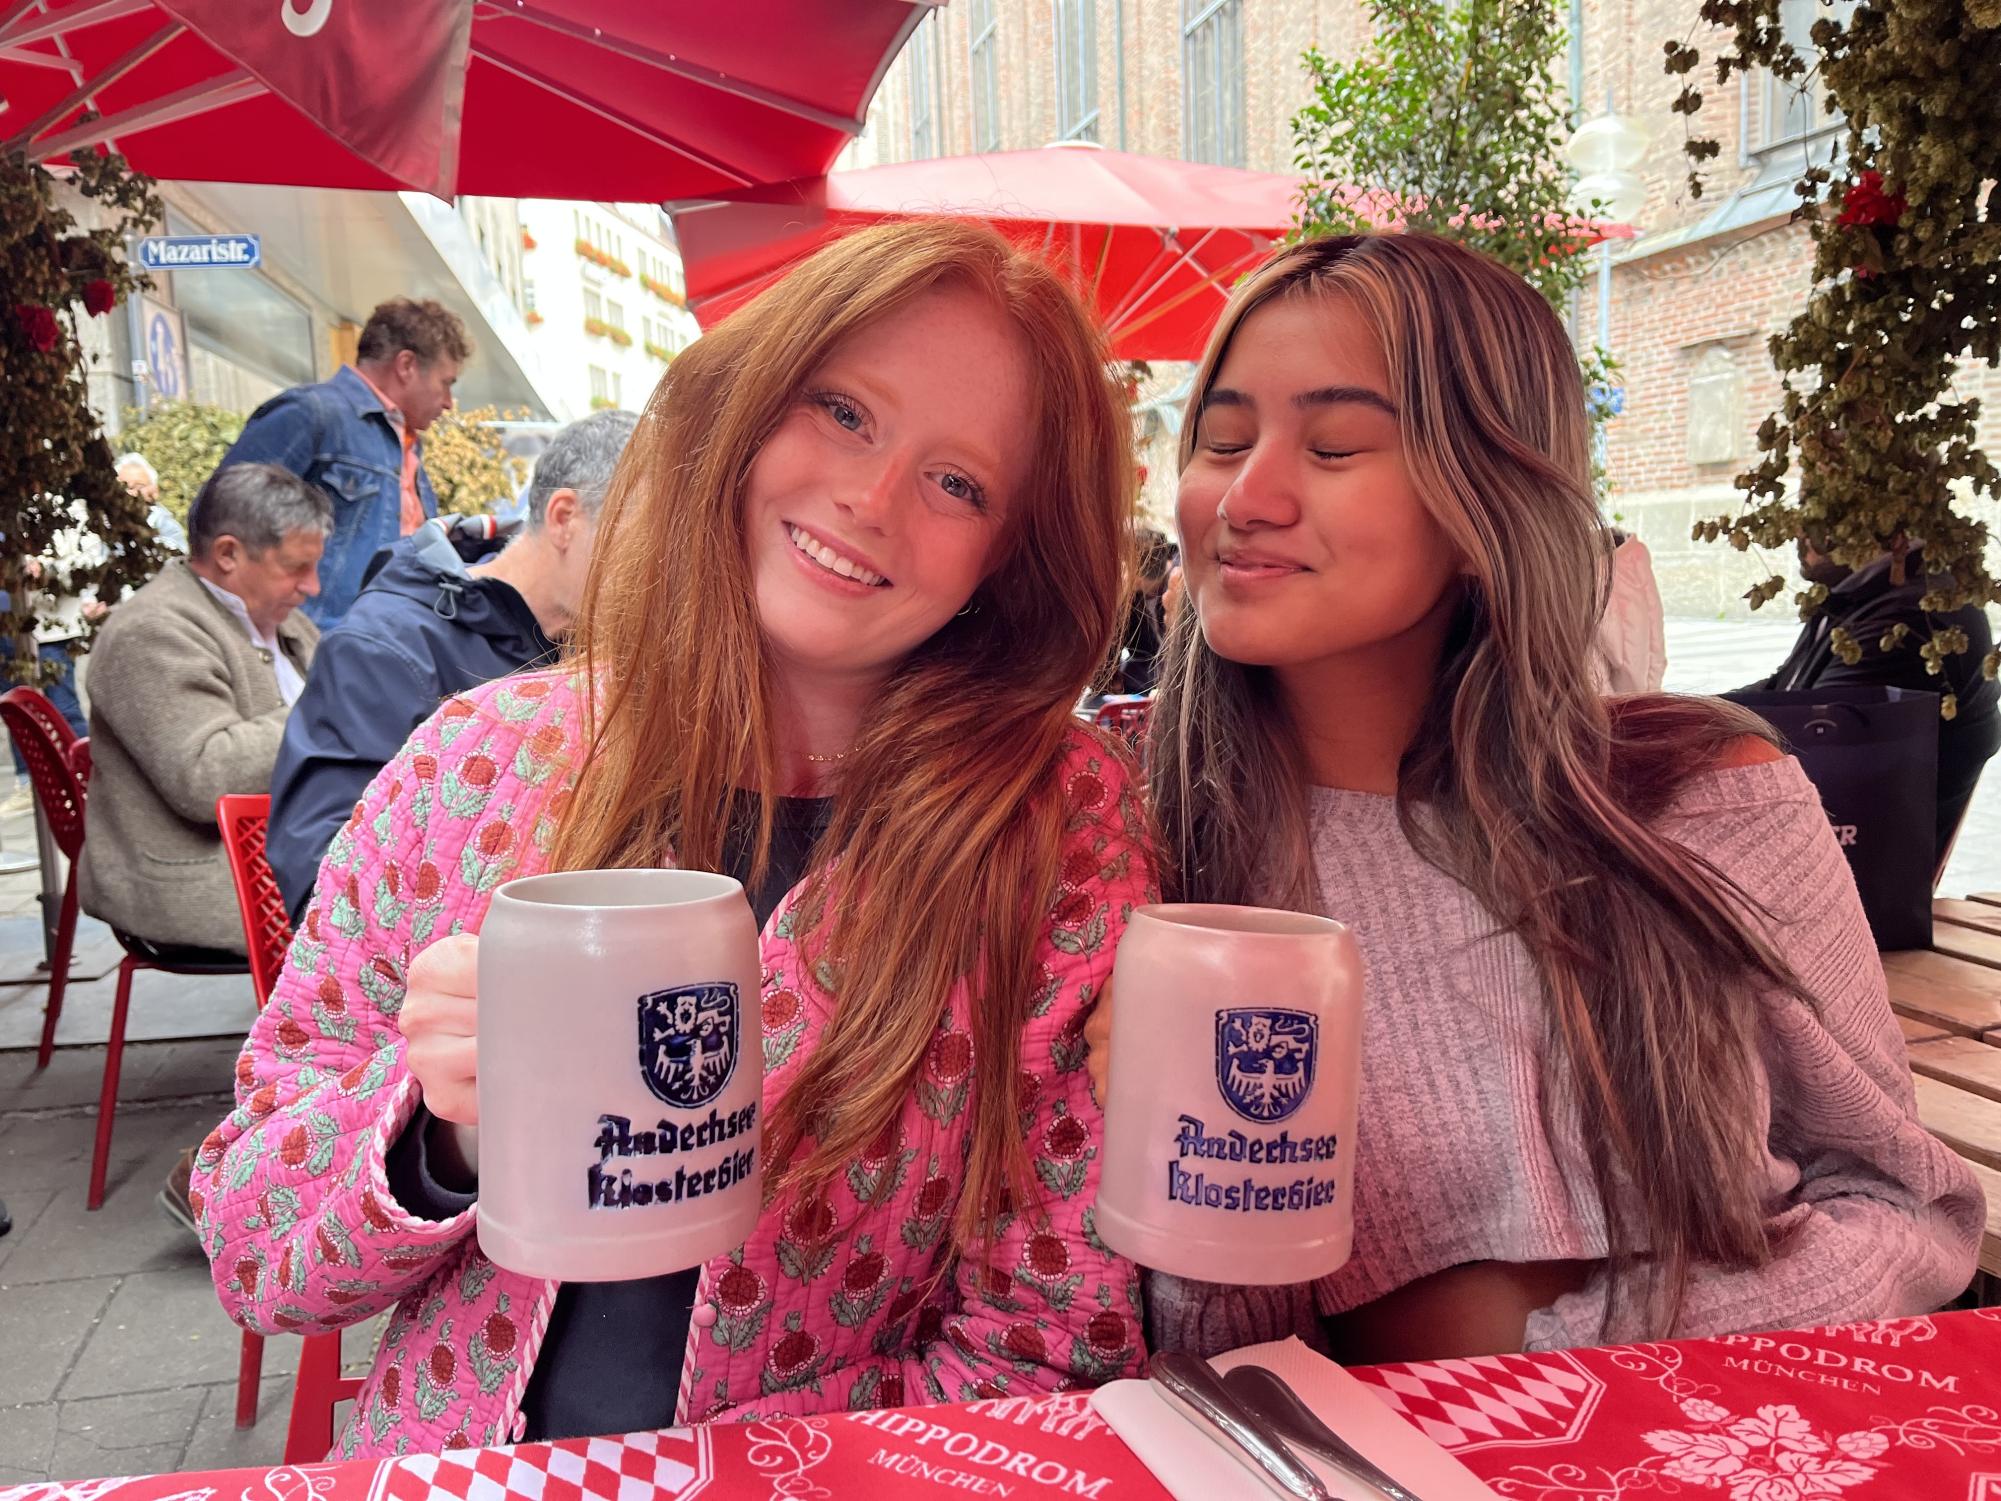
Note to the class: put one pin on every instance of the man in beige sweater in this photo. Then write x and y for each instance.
(190, 682)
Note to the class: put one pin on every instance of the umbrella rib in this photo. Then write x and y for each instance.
(1135, 291)
(1188, 253)
(607, 113)
(680, 68)
(13, 34)
(1211, 282)
(39, 60)
(202, 98)
(109, 76)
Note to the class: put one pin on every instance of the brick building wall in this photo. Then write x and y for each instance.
(1696, 295)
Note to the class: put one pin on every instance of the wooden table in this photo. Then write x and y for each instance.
(1948, 1001)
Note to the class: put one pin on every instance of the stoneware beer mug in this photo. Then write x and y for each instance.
(1236, 1062)
(621, 1073)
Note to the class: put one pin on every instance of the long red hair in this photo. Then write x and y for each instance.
(947, 821)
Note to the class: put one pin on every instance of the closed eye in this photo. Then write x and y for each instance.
(1334, 453)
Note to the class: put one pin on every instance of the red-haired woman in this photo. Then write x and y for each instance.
(863, 555)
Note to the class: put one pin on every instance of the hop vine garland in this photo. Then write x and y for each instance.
(53, 453)
(1907, 241)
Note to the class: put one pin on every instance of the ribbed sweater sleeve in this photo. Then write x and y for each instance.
(1870, 1216)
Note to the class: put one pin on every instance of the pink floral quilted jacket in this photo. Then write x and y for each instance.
(304, 1235)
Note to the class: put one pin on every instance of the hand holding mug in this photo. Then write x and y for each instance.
(440, 1024)
(1098, 1038)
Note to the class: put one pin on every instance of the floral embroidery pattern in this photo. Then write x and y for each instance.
(848, 1301)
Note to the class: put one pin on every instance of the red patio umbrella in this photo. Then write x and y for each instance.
(631, 100)
(1154, 245)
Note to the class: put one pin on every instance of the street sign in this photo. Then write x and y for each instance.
(199, 252)
(166, 351)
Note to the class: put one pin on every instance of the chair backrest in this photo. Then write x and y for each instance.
(267, 929)
(36, 702)
(1125, 716)
(33, 722)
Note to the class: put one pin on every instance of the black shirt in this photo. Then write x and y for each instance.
(611, 1359)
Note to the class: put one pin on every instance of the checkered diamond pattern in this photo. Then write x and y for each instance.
(674, 1465)
(1519, 1401)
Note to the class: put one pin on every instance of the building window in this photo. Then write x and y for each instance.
(1212, 81)
(1715, 407)
(985, 55)
(527, 296)
(600, 384)
(593, 304)
(614, 314)
(1793, 109)
(924, 133)
(1077, 70)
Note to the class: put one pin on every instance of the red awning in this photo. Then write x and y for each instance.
(600, 99)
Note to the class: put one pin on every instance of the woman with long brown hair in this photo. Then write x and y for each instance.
(1629, 1065)
(863, 555)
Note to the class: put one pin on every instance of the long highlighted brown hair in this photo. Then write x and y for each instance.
(1539, 795)
(947, 822)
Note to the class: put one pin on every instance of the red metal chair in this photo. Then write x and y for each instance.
(61, 776)
(45, 740)
(1125, 716)
(267, 932)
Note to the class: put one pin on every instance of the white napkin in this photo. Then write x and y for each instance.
(1194, 1467)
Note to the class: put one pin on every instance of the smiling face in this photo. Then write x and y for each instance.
(872, 512)
(1303, 536)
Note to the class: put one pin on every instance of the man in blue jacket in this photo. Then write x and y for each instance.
(359, 438)
(427, 626)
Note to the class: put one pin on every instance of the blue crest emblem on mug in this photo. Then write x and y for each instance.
(1264, 1060)
(688, 1042)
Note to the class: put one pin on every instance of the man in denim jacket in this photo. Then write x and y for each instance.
(358, 437)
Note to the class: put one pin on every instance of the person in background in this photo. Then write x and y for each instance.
(359, 437)
(191, 679)
(1869, 603)
(61, 621)
(1139, 646)
(1631, 654)
(1632, 1070)
(139, 476)
(427, 627)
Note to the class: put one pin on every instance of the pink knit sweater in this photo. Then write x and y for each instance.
(1458, 1160)
(305, 1235)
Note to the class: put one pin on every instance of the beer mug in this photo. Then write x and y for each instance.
(1235, 1066)
(621, 1073)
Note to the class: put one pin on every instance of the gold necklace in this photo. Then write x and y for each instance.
(824, 760)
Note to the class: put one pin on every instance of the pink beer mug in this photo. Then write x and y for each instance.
(1236, 1062)
(621, 1073)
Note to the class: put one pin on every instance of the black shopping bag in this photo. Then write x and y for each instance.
(1872, 753)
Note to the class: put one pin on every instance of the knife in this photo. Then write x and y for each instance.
(1267, 1397)
(1195, 1391)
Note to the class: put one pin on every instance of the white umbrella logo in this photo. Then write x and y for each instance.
(307, 22)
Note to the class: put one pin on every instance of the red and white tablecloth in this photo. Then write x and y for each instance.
(1904, 1410)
